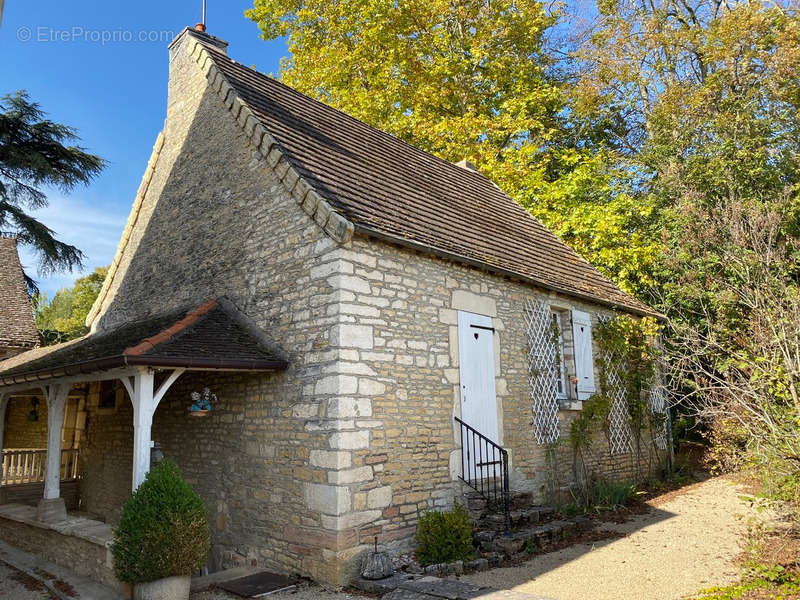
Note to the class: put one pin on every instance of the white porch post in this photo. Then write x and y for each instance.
(52, 507)
(4, 398)
(145, 401)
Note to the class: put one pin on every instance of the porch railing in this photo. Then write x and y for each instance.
(484, 467)
(27, 465)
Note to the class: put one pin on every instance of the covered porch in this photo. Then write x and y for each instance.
(120, 377)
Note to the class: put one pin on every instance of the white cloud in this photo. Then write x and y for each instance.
(95, 229)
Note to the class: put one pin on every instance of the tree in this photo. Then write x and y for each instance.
(476, 79)
(64, 317)
(739, 364)
(708, 93)
(33, 154)
(703, 99)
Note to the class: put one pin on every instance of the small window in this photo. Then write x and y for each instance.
(561, 379)
(108, 394)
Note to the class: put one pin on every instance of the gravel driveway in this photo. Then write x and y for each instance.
(687, 542)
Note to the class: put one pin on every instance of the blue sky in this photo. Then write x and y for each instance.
(112, 91)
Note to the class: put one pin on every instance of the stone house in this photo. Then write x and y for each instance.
(349, 300)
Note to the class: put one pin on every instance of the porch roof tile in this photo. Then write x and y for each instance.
(212, 336)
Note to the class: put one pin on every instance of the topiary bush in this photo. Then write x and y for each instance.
(163, 531)
(444, 537)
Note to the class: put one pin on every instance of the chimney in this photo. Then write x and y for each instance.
(465, 164)
(199, 33)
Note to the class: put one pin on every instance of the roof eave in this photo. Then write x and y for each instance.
(122, 361)
(365, 231)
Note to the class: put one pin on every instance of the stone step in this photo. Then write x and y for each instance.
(532, 538)
(476, 503)
(519, 518)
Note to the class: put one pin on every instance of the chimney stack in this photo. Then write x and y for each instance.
(465, 164)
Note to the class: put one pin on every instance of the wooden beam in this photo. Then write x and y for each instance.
(164, 387)
(145, 401)
(4, 399)
(56, 397)
(73, 379)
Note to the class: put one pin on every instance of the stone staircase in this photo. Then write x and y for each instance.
(533, 527)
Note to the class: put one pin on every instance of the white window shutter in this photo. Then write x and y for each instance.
(584, 359)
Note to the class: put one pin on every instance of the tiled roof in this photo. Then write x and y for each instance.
(212, 336)
(394, 191)
(17, 328)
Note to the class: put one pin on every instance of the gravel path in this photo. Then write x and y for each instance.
(18, 586)
(687, 542)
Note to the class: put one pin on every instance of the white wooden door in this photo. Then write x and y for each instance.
(478, 399)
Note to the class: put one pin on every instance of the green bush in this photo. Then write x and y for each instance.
(610, 495)
(163, 531)
(444, 537)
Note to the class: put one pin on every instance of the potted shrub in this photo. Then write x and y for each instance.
(162, 537)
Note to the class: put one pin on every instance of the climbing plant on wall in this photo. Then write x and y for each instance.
(628, 404)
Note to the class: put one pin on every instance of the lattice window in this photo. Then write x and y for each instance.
(543, 371)
(619, 427)
(658, 405)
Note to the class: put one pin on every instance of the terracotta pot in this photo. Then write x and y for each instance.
(169, 588)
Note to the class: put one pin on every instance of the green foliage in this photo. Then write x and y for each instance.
(163, 531)
(611, 495)
(33, 153)
(444, 537)
(474, 80)
(628, 342)
(64, 317)
(727, 446)
(583, 427)
(769, 571)
(602, 495)
(775, 580)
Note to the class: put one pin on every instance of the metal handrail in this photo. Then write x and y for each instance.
(484, 464)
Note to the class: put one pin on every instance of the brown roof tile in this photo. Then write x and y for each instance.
(212, 336)
(392, 190)
(17, 328)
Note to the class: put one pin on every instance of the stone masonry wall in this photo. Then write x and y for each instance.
(74, 553)
(271, 461)
(399, 328)
(19, 431)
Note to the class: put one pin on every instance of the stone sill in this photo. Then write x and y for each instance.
(94, 532)
(570, 405)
